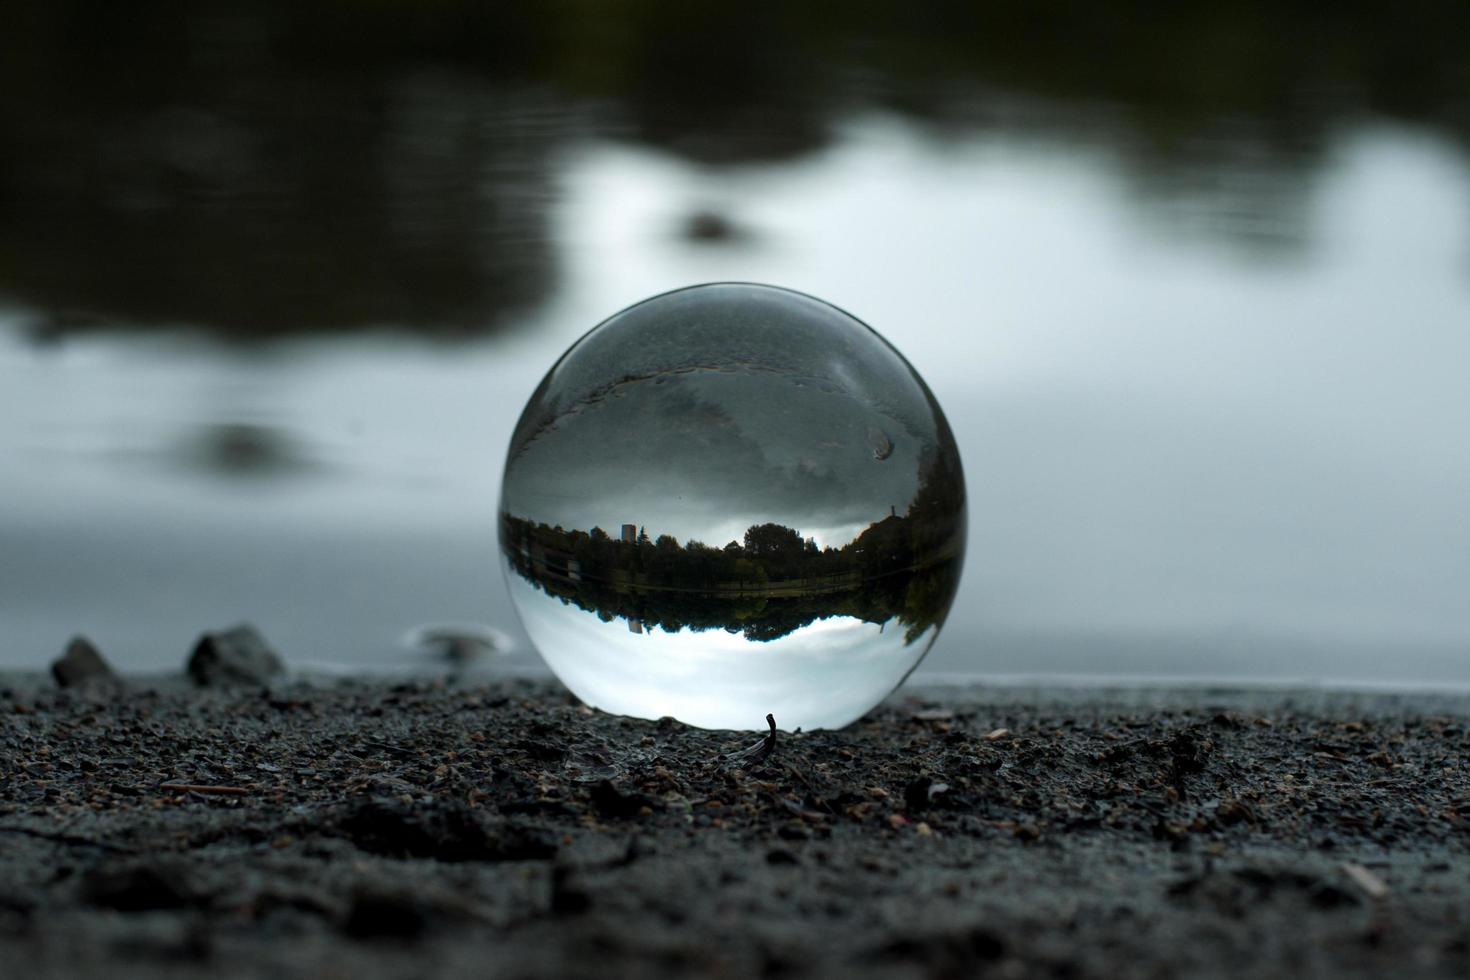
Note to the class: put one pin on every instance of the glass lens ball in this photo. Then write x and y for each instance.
(732, 500)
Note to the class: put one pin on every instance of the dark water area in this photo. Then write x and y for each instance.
(277, 168)
(1191, 284)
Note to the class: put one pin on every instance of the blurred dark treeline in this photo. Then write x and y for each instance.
(313, 165)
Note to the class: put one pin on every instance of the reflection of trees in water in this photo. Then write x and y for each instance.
(694, 586)
(771, 583)
(304, 165)
(422, 203)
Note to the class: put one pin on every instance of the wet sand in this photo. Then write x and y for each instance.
(369, 830)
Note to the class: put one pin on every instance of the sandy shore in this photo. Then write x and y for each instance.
(368, 830)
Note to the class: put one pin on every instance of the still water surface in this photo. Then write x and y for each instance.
(1201, 439)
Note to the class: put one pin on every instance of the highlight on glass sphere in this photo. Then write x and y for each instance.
(732, 500)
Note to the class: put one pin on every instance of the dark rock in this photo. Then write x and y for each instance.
(615, 804)
(638, 848)
(711, 226)
(567, 896)
(449, 831)
(1187, 754)
(1326, 895)
(542, 751)
(82, 665)
(376, 914)
(947, 952)
(238, 656)
(20, 906)
(921, 792)
(137, 888)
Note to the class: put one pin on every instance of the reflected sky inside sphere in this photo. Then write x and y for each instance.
(708, 410)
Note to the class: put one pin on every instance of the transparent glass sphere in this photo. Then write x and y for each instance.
(733, 500)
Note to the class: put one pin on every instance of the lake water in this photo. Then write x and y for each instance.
(1212, 414)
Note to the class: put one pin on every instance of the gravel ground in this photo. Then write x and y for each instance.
(369, 830)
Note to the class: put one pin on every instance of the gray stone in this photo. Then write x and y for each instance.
(81, 665)
(238, 656)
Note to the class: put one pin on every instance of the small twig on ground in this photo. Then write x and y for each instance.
(1370, 884)
(760, 751)
(387, 746)
(205, 790)
(797, 775)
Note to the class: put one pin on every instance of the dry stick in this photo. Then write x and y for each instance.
(205, 790)
(1372, 885)
(761, 750)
